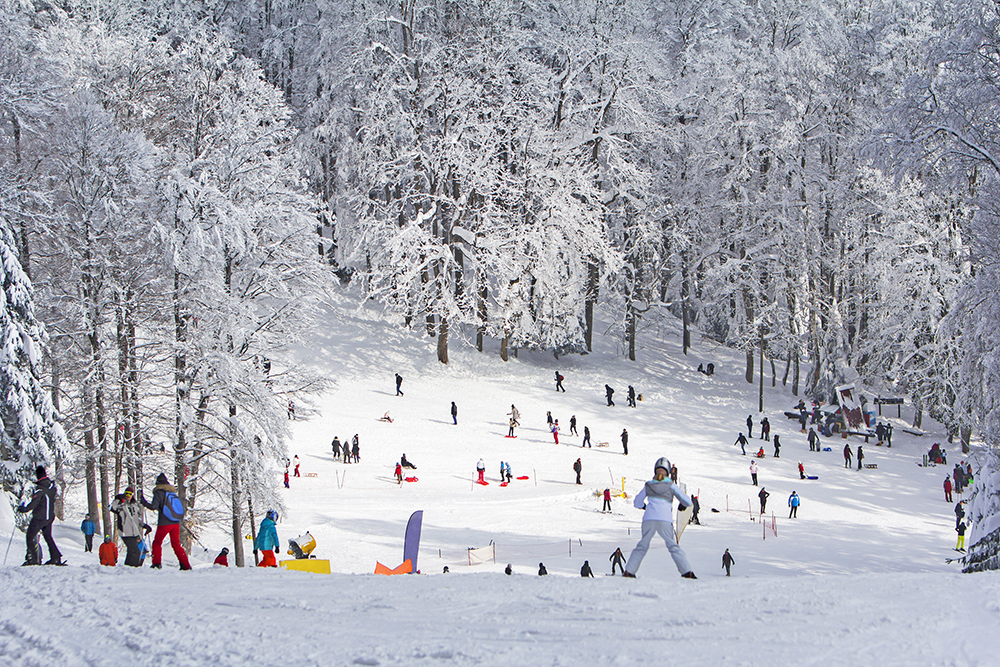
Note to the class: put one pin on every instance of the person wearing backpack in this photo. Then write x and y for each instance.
(267, 540)
(171, 511)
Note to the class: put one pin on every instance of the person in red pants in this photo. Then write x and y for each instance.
(267, 540)
(168, 522)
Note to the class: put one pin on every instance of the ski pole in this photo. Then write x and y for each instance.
(8, 545)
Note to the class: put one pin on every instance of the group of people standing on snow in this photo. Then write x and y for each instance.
(345, 452)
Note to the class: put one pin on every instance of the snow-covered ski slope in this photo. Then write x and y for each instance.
(858, 578)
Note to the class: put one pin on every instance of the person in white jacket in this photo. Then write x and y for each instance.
(657, 499)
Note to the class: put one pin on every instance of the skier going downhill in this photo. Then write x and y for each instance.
(656, 498)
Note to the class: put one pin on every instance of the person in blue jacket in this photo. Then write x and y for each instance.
(794, 501)
(267, 540)
(88, 528)
(657, 499)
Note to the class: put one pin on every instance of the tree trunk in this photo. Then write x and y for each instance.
(788, 366)
(503, 347)
(966, 434)
(593, 287)
(685, 309)
(482, 296)
(795, 376)
(58, 476)
(760, 401)
(102, 441)
(918, 413)
(90, 461)
(749, 374)
(253, 527)
(237, 492)
(442, 342)
(774, 375)
(631, 331)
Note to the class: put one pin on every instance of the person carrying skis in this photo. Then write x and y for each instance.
(166, 525)
(108, 552)
(777, 447)
(625, 441)
(947, 489)
(727, 561)
(131, 525)
(813, 440)
(753, 472)
(43, 512)
(765, 429)
(793, 502)
(267, 540)
(454, 413)
(578, 468)
(848, 454)
(585, 571)
(223, 558)
(656, 498)
(609, 392)
(631, 396)
(572, 425)
(88, 528)
(617, 560)
(861, 457)
(586, 437)
(749, 426)
(741, 440)
(763, 495)
(399, 383)
(481, 469)
(607, 501)
(559, 379)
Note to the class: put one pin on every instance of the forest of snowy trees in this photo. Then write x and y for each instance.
(809, 182)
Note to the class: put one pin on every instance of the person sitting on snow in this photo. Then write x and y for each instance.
(223, 557)
(406, 464)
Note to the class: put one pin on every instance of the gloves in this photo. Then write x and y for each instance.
(681, 508)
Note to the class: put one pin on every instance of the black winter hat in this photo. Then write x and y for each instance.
(162, 479)
(40, 472)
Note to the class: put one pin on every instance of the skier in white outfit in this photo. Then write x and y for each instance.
(657, 498)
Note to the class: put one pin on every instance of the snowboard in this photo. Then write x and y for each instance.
(411, 479)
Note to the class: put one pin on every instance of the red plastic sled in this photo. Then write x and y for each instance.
(503, 483)
(510, 436)
(411, 479)
(523, 477)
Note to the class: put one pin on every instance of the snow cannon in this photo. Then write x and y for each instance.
(302, 546)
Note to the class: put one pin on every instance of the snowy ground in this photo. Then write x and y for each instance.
(859, 578)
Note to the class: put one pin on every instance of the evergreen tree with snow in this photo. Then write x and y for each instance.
(31, 435)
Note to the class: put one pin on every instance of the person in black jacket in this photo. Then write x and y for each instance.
(454, 412)
(631, 396)
(727, 561)
(763, 495)
(609, 392)
(399, 383)
(625, 441)
(585, 571)
(164, 525)
(617, 560)
(43, 512)
(541, 570)
(749, 426)
(578, 468)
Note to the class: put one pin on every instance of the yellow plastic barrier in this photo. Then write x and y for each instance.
(317, 565)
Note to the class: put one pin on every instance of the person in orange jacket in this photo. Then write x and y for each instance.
(108, 553)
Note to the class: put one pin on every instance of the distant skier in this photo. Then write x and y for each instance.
(585, 571)
(481, 469)
(399, 383)
(267, 540)
(559, 380)
(749, 426)
(631, 396)
(617, 560)
(765, 429)
(753, 472)
(947, 489)
(813, 440)
(43, 513)
(578, 468)
(656, 498)
(727, 561)
(848, 455)
(586, 436)
(356, 449)
(763, 495)
(793, 502)
(555, 431)
(861, 457)
(454, 413)
(541, 570)
(609, 392)
(572, 425)
(777, 446)
(406, 464)
(88, 528)
(741, 440)
(802, 471)
(625, 441)
(223, 558)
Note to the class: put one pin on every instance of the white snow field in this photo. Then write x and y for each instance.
(859, 578)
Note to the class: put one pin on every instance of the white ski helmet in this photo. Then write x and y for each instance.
(662, 462)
